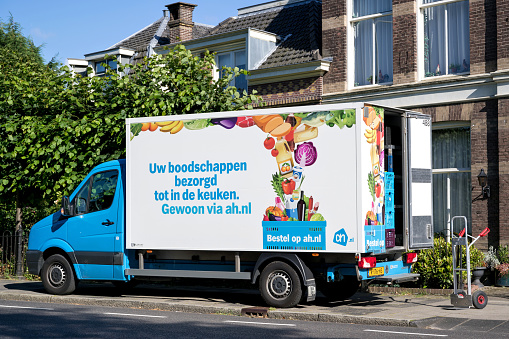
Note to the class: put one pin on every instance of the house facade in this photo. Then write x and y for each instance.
(448, 59)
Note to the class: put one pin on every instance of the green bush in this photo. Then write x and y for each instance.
(435, 264)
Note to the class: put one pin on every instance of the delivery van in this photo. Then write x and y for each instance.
(292, 199)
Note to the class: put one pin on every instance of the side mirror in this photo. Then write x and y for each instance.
(66, 206)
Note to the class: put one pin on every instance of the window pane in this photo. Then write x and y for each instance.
(363, 45)
(459, 37)
(81, 200)
(99, 68)
(103, 190)
(367, 7)
(451, 148)
(434, 41)
(240, 62)
(223, 60)
(460, 200)
(112, 64)
(383, 45)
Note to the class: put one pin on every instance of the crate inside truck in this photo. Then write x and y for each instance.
(291, 199)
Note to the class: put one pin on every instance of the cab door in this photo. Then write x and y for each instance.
(92, 229)
(418, 162)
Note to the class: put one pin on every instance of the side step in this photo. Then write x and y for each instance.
(398, 278)
(187, 274)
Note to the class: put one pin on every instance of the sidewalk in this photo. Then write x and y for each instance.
(426, 311)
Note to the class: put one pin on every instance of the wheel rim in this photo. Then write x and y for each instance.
(279, 284)
(57, 275)
(480, 299)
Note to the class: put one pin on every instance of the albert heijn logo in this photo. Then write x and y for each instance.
(341, 237)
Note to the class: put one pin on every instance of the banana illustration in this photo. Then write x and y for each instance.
(370, 136)
(177, 128)
(165, 123)
(169, 127)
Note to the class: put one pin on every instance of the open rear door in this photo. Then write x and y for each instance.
(420, 231)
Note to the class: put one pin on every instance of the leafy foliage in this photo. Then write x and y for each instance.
(435, 264)
(56, 126)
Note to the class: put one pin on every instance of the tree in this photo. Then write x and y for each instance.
(22, 70)
(60, 126)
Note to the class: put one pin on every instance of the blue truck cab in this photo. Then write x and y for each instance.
(87, 233)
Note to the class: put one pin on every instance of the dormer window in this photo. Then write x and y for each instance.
(100, 66)
(110, 57)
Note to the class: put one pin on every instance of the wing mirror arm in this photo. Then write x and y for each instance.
(67, 208)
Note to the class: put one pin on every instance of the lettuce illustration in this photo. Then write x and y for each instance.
(317, 217)
(197, 124)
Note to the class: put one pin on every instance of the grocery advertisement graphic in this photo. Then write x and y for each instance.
(271, 167)
(373, 169)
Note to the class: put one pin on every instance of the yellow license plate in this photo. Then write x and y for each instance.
(376, 271)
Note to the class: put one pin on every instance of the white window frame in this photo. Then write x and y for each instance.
(420, 38)
(351, 46)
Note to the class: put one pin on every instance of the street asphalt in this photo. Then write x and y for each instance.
(424, 311)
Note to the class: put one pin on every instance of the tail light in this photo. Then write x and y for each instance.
(367, 262)
(410, 258)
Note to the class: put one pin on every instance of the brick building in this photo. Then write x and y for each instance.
(448, 59)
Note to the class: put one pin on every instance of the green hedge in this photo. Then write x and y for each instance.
(435, 264)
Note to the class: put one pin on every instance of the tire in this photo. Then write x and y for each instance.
(280, 285)
(479, 299)
(341, 290)
(58, 275)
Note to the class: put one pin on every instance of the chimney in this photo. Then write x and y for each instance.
(181, 21)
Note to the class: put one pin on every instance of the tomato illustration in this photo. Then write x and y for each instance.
(269, 143)
(378, 189)
(274, 152)
(288, 185)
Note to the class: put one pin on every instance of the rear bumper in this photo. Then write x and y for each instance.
(389, 272)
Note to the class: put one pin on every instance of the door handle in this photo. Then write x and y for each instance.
(108, 222)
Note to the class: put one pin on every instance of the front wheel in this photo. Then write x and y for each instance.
(280, 285)
(479, 299)
(58, 276)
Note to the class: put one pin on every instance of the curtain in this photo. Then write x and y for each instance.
(451, 149)
(368, 7)
(373, 59)
(383, 44)
(459, 37)
(363, 45)
(446, 39)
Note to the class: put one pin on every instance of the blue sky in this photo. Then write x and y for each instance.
(74, 28)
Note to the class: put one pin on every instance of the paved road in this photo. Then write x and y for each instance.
(430, 312)
(49, 320)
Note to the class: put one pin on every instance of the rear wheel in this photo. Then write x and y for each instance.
(340, 290)
(280, 285)
(58, 275)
